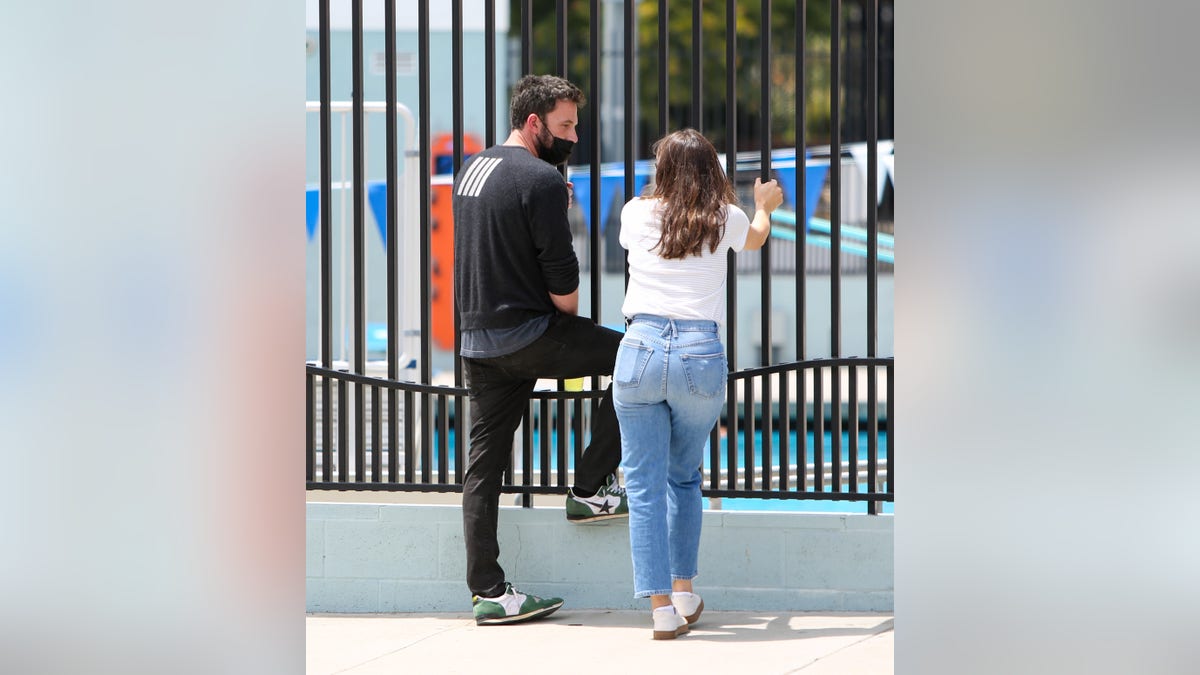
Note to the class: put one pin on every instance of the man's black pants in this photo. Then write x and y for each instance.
(499, 390)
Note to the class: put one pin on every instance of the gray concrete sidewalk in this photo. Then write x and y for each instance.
(594, 640)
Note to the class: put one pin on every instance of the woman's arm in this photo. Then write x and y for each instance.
(767, 197)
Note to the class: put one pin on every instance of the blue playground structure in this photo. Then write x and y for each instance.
(612, 181)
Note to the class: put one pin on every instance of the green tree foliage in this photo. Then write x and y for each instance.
(713, 69)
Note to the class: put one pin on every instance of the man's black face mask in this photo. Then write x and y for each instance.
(553, 149)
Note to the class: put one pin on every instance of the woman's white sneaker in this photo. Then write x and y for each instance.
(689, 605)
(667, 624)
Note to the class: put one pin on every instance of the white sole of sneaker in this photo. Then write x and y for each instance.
(596, 519)
(671, 634)
(536, 614)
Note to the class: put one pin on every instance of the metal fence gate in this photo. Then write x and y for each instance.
(806, 428)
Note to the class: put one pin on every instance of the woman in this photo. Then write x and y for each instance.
(669, 378)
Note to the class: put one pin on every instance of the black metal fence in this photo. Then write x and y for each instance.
(810, 429)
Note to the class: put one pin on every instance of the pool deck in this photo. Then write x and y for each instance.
(606, 640)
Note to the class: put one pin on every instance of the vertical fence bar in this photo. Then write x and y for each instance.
(872, 9)
(443, 443)
(835, 425)
(818, 429)
(800, 192)
(393, 190)
(360, 418)
(310, 449)
(459, 444)
(697, 65)
(526, 37)
(327, 414)
(560, 51)
(393, 445)
(458, 103)
(393, 231)
(423, 77)
(765, 252)
(872, 436)
(765, 426)
(891, 428)
(360, 253)
(376, 435)
(576, 446)
(785, 430)
(343, 464)
(765, 164)
(853, 428)
(545, 431)
(423, 116)
(664, 103)
(594, 267)
(802, 427)
(835, 182)
(527, 456)
(456, 81)
(563, 406)
(426, 438)
(489, 72)
(731, 431)
(326, 117)
(748, 433)
(630, 122)
(560, 67)
(410, 440)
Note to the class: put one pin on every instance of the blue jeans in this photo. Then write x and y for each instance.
(668, 390)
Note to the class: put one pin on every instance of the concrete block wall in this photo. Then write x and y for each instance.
(372, 558)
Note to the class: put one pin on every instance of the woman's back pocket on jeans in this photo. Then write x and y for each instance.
(706, 373)
(631, 363)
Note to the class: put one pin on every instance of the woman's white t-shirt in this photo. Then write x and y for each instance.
(687, 288)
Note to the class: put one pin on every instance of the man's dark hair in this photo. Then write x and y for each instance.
(538, 94)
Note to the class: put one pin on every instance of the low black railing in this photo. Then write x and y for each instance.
(771, 442)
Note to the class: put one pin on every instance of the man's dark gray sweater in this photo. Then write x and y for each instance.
(512, 241)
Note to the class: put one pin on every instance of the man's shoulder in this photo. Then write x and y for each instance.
(530, 169)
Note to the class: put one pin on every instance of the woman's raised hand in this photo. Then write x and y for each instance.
(767, 196)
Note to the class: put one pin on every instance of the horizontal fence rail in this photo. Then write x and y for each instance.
(785, 445)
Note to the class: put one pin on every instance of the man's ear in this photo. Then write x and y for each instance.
(531, 120)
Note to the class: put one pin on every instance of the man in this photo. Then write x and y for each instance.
(516, 281)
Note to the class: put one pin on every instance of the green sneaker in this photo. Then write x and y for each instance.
(608, 502)
(512, 607)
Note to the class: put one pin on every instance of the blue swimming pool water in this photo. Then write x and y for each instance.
(750, 504)
(803, 505)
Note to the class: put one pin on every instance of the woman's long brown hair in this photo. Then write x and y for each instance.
(693, 191)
